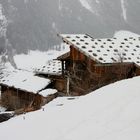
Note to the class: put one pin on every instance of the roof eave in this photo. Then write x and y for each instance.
(71, 44)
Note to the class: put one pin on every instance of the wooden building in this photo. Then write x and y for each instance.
(92, 63)
(53, 70)
(22, 90)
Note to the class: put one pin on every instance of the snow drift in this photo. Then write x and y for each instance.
(108, 113)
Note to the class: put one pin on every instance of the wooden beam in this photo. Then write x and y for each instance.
(63, 67)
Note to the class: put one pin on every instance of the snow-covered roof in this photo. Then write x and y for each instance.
(47, 92)
(53, 67)
(64, 56)
(24, 80)
(109, 50)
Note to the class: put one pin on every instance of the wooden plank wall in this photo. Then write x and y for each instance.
(16, 99)
(76, 55)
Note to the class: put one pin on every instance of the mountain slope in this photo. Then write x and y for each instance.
(33, 24)
(111, 112)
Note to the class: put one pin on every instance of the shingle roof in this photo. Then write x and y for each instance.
(53, 67)
(108, 50)
(25, 81)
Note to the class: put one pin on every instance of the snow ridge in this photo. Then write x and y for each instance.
(110, 113)
(60, 5)
(97, 1)
(3, 22)
(86, 4)
(124, 10)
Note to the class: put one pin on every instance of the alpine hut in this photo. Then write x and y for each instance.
(24, 90)
(92, 63)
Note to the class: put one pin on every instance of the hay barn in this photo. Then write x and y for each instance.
(23, 90)
(92, 63)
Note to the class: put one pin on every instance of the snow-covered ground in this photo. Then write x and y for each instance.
(125, 34)
(2, 109)
(110, 113)
(37, 59)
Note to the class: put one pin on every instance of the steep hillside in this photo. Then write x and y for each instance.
(33, 24)
(111, 112)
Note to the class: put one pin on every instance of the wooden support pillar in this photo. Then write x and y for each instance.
(63, 67)
(68, 85)
(16, 100)
(17, 92)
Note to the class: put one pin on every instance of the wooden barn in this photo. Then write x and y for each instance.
(92, 63)
(22, 90)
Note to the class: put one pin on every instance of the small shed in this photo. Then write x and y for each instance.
(21, 89)
(93, 63)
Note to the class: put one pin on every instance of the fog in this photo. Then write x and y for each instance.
(34, 24)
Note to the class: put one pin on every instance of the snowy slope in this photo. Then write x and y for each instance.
(3, 23)
(37, 59)
(110, 113)
(33, 24)
(125, 34)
